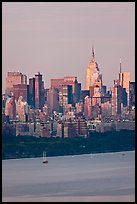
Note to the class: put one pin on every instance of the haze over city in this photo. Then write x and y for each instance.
(56, 39)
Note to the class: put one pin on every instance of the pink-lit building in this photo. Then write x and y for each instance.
(93, 76)
(14, 78)
(10, 108)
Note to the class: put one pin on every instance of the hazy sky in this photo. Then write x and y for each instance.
(56, 39)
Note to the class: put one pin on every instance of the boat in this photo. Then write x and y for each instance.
(44, 158)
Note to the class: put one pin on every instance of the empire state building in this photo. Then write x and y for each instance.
(93, 75)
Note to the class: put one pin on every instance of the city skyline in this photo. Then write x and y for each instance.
(56, 39)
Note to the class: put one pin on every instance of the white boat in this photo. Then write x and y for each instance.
(44, 158)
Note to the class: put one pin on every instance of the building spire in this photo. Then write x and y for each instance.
(120, 65)
(93, 54)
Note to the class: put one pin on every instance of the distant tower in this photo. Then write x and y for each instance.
(10, 108)
(120, 75)
(14, 78)
(31, 100)
(124, 81)
(93, 75)
(39, 91)
(116, 99)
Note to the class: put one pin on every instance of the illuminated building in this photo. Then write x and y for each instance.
(93, 76)
(14, 78)
(10, 108)
(124, 81)
(20, 90)
(22, 109)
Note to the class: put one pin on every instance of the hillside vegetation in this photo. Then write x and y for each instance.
(29, 146)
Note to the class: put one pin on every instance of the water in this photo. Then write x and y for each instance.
(108, 175)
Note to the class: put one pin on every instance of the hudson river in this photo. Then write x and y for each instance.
(100, 177)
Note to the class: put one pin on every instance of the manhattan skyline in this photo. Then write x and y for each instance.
(56, 39)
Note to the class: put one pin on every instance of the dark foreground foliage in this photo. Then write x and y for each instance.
(29, 146)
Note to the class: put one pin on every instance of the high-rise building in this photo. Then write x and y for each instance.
(65, 96)
(10, 108)
(22, 109)
(39, 91)
(124, 81)
(31, 100)
(68, 80)
(53, 99)
(116, 101)
(84, 93)
(20, 90)
(132, 94)
(14, 78)
(93, 76)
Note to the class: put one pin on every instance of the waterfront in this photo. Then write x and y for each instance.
(89, 177)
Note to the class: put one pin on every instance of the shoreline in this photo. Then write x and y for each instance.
(74, 155)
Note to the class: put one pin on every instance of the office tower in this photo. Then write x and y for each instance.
(10, 108)
(116, 100)
(31, 100)
(77, 93)
(14, 78)
(53, 99)
(39, 91)
(87, 107)
(84, 93)
(124, 81)
(56, 83)
(120, 75)
(22, 109)
(20, 90)
(68, 80)
(132, 94)
(65, 96)
(93, 76)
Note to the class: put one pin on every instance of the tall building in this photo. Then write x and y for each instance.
(31, 100)
(124, 81)
(20, 90)
(93, 76)
(132, 94)
(14, 78)
(53, 99)
(22, 109)
(68, 80)
(39, 91)
(10, 108)
(65, 96)
(116, 101)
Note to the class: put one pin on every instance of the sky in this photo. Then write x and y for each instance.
(56, 39)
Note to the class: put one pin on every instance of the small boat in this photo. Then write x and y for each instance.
(44, 158)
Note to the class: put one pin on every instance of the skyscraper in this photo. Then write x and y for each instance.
(39, 91)
(14, 78)
(10, 108)
(31, 100)
(93, 74)
(20, 90)
(124, 81)
(116, 101)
